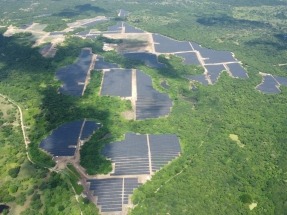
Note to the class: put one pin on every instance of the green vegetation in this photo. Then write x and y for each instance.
(213, 175)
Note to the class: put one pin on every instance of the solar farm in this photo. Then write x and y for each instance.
(136, 86)
(64, 140)
(214, 62)
(137, 156)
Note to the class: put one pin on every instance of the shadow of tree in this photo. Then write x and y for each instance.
(78, 10)
(224, 20)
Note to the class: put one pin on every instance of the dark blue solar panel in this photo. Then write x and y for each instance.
(147, 58)
(237, 70)
(199, 78)
(163, 149)
(189, 58)
(89, 128)
(101, 64)
(269, 85)
(213, 56)
(130, 156)
(63, 140)
(83, 33)
(116, 28)
(74, 76)
(165, 44)
(150, 103)
(57, 33)
(112, 193)
(281, 80)
(131, 29)
(117, 82)
(214, 72)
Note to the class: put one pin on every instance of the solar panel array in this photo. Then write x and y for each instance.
(74, 76)
(117, 82)
(112, 193)
(130, 29)
(199, 78)
(136, 155)
(237, 70)
(115, 28)
(271, 84)
(190, 58)
(131, 156)
(150, 103)
(102, 64)
(163, 149)
(211, 56)
(63, 140)
(214, 72)
(149, 59)
(194, 54)
(165, 44)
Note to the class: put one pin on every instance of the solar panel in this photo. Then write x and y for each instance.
(237, 70)
(214, 72)
(269, 85)
(150, 103)
(117, 82)
(63, 140)
(112, 193)
(74, 76)
(165, 44)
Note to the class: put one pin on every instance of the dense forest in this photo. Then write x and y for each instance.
(216, 173)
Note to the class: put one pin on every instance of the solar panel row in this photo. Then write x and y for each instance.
(112, 193)
(131, 156)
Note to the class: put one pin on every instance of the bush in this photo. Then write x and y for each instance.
(14, 172)
(13, 188)
(246, 199)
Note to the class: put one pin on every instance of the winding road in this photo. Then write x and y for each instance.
(25, 137)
